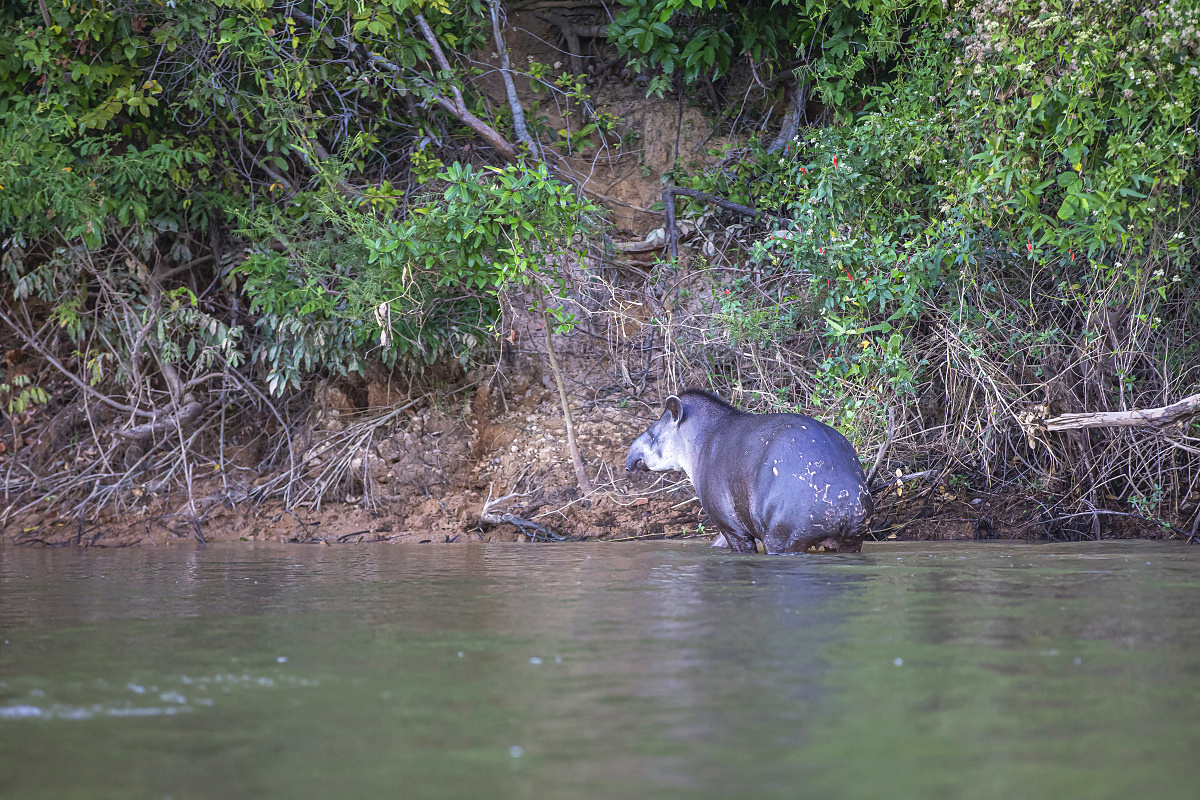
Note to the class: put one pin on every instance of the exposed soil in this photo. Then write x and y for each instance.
(428, 478)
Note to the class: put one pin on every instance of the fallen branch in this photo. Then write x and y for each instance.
(912, 476)
(654, 240)
(720, 202)
(160, 426)
(487, 516)
(1185, 409)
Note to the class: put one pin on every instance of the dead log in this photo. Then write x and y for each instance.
(1162, 417)
(490, 516)
(672, 231)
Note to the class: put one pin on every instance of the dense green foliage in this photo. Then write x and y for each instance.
(837, 44)
(1058, 144)
(141, 132)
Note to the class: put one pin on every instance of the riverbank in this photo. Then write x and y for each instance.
(434, 473)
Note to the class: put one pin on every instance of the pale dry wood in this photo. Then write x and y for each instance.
(490, 516)
(654, 241)
(1185, 409)
(792, 119)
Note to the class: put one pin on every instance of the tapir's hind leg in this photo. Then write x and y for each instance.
(740, 542)
(840, 545)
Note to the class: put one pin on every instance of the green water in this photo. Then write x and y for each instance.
(596, 671)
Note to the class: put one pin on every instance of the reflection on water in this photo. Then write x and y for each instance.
(600, 671)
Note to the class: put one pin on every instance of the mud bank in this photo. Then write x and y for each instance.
(428, 478)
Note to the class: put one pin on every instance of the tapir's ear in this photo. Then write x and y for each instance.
(675, 408)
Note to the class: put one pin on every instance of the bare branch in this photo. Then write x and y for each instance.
(883, 448)
(669, 206)
(108, 401)
(456, 106)
(489, 516)
(1183, 410)
(514, 102)
(585, 485)
(160, 426)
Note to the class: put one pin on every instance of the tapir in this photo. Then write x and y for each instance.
(786, 480)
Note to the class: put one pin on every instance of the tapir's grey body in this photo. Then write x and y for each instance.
(787, 480)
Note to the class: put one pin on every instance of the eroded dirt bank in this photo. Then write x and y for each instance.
(427, 476)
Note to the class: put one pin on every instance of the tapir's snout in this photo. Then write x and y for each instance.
(634, 459)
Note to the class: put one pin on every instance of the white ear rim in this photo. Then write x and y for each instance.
(679, 403)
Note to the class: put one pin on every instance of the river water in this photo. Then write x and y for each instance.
(601, 670)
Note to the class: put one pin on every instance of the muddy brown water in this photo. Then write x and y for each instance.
(600, 670)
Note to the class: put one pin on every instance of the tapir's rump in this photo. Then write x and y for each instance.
(786, 480)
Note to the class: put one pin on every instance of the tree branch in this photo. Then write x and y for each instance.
(510, 88)
(490, 517)
(442, 61)
(570, 36)
(669, 207)
(883, 448)
(455, 106)
(585, 485)
(160, 426)
(108, 401)
(1183, 410)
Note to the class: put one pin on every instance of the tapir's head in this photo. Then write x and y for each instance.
(662, 446)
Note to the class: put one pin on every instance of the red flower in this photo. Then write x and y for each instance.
(1029, 244)
(835, 161)
(821, 250)
(803, 170)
